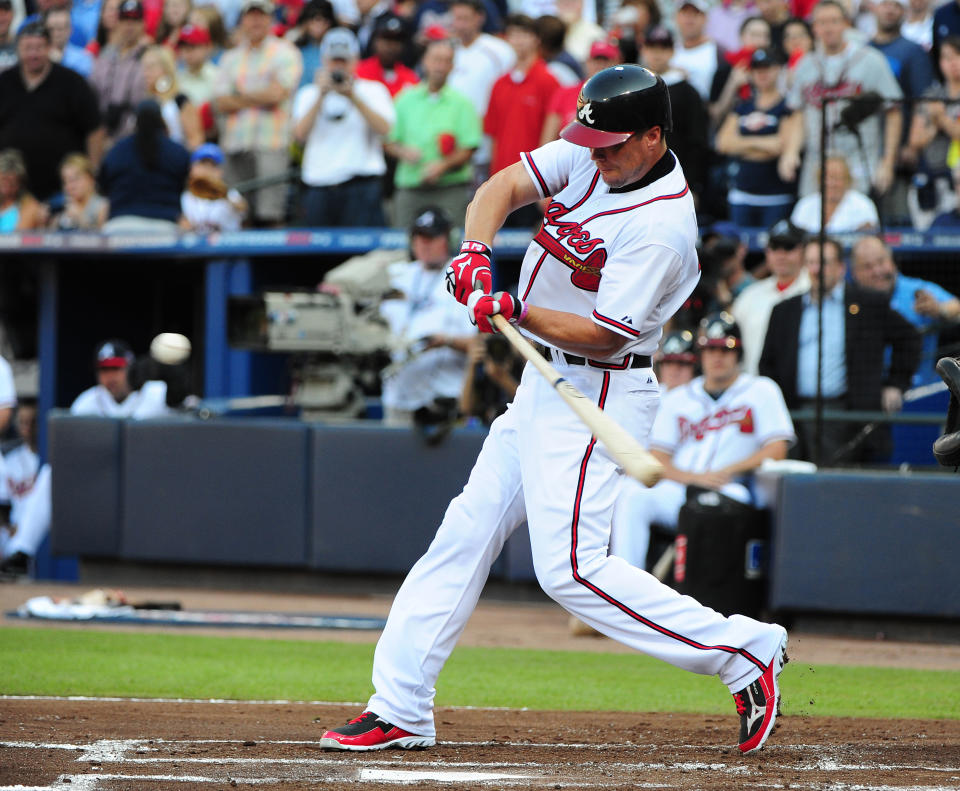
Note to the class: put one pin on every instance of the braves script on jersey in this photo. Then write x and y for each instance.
(627, 259)
(702, 433)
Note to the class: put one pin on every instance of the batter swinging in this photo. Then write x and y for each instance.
(614, 260)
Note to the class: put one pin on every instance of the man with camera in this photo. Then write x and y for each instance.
(342, 120)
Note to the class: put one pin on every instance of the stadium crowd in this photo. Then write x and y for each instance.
(175, 115)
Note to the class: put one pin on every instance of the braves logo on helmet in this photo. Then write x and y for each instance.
(585, 113)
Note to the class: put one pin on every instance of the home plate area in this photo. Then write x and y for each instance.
(114, 744)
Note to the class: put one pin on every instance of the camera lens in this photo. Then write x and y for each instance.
(338, 77)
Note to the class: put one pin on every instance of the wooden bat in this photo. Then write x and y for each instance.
(635, 461)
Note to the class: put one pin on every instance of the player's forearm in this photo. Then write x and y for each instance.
(893, 124)
(572, 333)
(776, 450)
(671, 473)
(495, 199)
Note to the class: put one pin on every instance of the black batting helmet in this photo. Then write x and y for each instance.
(719, 331)
(677, 347)
(615, 103)
(113, 353)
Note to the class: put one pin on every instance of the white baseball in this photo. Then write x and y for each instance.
(170, 348)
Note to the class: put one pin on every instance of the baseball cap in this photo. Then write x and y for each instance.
(340, 44)
(784, 233)
(659, 37)
(605, 49)
(194, 36)
(432, 221)
(391, 26)
(209, 151)
(113, 354)
(701, 5)
(765, 56)
(130, 9)
(260, 5)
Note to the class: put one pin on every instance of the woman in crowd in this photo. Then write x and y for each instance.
(19, 210)
(175, 16)
(143, 176)
(754, 35)
(847, 210)
(797, 42)
(935, 136)
(316, 18)
(752, 135)
(84, 209)
(106, 27)
(209, 18)
(180, 114)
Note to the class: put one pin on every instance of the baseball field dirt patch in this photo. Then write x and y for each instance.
(107, 745)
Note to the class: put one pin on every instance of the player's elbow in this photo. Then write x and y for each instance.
(777, 450)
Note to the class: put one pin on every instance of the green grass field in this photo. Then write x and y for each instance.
(69, 662)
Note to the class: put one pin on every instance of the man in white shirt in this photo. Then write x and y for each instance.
(695, 54)
(478, 62)
(114, 395)
(433, 331)
(342, 121)
(784, 256)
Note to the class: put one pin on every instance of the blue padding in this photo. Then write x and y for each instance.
(223, 492)
(379, 494)
(85, 459)
(869, 543)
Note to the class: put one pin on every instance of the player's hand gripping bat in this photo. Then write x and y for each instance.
(635, 461)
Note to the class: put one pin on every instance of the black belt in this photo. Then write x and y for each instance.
(630, 361)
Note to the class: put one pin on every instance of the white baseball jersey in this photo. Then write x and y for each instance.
(18, 473)
(149, 401)
(425, 310)
(702, 433)
(626, 259)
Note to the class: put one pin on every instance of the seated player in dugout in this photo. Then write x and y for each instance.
(711, 433)
(619, 207)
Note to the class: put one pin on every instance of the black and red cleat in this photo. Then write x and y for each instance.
(370, 732)
(758, 704)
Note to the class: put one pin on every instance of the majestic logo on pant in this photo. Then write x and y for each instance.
(592, 256)
(743, 415)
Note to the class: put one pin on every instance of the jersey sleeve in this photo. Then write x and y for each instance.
(8, 393)
(549, 166)
(771, 414)
(636, 287)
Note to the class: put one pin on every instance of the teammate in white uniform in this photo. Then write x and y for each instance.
(711, 432)
(113, 395)
(614, 260)
(19, 471)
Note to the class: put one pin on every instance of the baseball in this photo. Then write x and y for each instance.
(170, 348)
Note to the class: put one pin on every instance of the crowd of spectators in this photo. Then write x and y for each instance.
(362, 112)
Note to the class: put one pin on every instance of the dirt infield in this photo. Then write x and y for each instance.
(139, 746)
(114, 745)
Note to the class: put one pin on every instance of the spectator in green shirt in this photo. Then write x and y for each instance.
(435, 135)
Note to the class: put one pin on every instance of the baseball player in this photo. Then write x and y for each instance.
(20, 470)
(114, 394)
(678, 360)
(712, 433)
(614, 259)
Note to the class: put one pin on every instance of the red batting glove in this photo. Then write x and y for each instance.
(483, 306)
(470, 271)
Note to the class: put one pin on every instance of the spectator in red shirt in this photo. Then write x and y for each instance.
(391, 38)
(518, 105)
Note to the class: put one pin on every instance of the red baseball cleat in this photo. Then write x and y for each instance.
(370, 732)
(759, 704)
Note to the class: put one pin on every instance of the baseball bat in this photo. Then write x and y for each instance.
(632, 458)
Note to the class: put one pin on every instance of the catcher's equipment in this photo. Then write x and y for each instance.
(207, 187)
(615, 103)
(470, 271)
(947, 447)
(483, 306)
